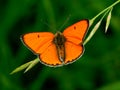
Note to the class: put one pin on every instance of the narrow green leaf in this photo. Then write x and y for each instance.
(34, 62)
(92, 32)
(108, 20)
(20, 68)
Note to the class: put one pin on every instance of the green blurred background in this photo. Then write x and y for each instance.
(97, 69)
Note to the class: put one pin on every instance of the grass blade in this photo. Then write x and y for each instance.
(20, 68)
(94, 29)
(34, 62)
(92, 32)
(108, 20)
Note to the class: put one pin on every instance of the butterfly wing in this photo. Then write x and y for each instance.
(74, 38)
(77, 31)
(50, 56)
(72, 52)
(37, 42)
(42, 44)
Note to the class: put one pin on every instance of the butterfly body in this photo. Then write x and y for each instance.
(59, 41)
(61, 48)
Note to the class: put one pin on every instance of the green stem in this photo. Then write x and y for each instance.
(104, 10)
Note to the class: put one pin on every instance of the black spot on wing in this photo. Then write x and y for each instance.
(38, 36)
(74, 27)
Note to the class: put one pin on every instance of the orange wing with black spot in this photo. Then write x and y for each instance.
(74, 38)
(41, 44)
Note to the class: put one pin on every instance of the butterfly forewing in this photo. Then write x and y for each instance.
(37, 42)
(76, 32)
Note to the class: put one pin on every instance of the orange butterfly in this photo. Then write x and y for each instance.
(61, 48)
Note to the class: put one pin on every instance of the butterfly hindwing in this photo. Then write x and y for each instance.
(50, 56)
(72, 52)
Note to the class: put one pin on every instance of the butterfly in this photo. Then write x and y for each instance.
(61, 48)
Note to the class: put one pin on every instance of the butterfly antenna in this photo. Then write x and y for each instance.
(65, 22)
(48, 25)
